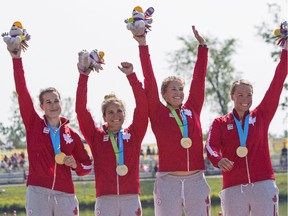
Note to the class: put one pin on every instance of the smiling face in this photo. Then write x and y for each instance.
(114, 115)
(174, 94)
(51, 105)
(242, 98)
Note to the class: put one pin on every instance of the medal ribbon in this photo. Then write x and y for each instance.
(119, 152)
(243, 134)
(183, 126)
(55, 137)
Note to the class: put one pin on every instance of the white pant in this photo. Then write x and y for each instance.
(260, 198)
(172, 194)
(120, 205)
(46, 202)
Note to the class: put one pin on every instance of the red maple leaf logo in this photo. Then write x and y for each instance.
(274, 199)
(207, 200)
(138, 212)
(75, 211)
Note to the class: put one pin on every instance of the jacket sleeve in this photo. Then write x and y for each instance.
(85, 120)
(213, 143)
(140, 115)
(270, 101)
(150, 83)
(83, 160)
(197, 86)
(27, 110)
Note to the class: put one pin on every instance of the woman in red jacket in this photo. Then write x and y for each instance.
(54, 150)
(238, 144)
(115, 150)
(180, 181)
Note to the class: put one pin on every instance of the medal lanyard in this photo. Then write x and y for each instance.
(183, 127)
(243, 134)
(119, 152)
(55, 137)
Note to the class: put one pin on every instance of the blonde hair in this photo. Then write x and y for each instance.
(239, 82)
(111, 98)
(169, 79)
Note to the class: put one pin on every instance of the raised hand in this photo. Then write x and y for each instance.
(140, 39)
(200, 39)
(126, 68)
(15, 53)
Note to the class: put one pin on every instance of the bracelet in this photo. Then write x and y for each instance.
(203, 45)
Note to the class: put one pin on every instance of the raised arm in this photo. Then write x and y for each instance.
(86, 122)
(150, 83)
(270, 101)
(197, 86)
(27, 110)
(140, 117)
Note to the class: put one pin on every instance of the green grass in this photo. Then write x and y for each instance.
(216, 184)
(13, 197)
(281, 180)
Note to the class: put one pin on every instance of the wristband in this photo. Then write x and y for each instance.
(203, 45)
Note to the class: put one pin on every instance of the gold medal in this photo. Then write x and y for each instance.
(186, 142)
(242, 151)
(59, 158)
(122, 170)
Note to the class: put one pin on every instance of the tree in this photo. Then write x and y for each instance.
(15, 133)
(1, 143)
(265, 30)
(69, 113)
(220, 71)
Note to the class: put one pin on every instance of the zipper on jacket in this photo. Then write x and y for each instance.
(247, 168)
(118, 191)
(54, 178)
(188, 161)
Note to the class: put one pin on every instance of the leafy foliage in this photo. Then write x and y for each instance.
(15, 132)
(265, 30)
(69, 112)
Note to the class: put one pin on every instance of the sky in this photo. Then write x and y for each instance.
(60, 29)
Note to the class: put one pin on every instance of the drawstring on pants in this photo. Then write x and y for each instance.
(182, 191)
(55, 199)
(245, 185)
